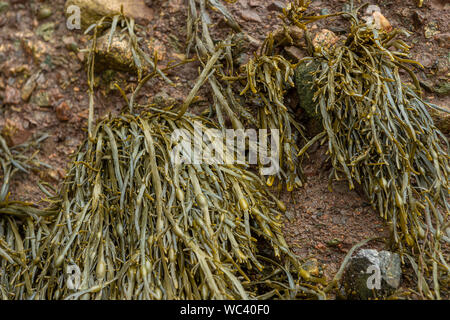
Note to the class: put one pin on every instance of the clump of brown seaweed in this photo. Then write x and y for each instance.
(139, 226)
(143, 227)
(381, 136)
(22, 224)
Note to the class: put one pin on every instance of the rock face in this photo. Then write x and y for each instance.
(93, 10)
(371, 274)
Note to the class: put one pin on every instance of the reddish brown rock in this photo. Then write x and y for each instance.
(12, 95)
(63, 111)
(14, 133)
(250, 15)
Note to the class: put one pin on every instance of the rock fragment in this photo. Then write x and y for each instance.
(250, 15)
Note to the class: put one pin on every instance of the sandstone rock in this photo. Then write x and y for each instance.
(93, 10)
(360, 277)
(250, 15)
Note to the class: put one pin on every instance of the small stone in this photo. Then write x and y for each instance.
(426, 59)
(419, 18)
(443, 88)
(162, 99)
(12, 95)
(29, 86)
(312, 266)
(44, 12)
(276, 6)
(360, 277)
(36, 48)
(441, 119)
(325, 38)
(442, 67)
(378, 21)
(324, 11)
(405, 12)
(63, 111)
(294, 52)
(119, 55)
(242, 42)
(50, 175)
(372, 8)
(250, 15)
(431, 29)
(14, 133)
(294, 32)
(443, 39)
(70, 43)
(241, 59)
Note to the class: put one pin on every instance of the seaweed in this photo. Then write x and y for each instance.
(381, 136)
(138, 225)
(143, 227)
